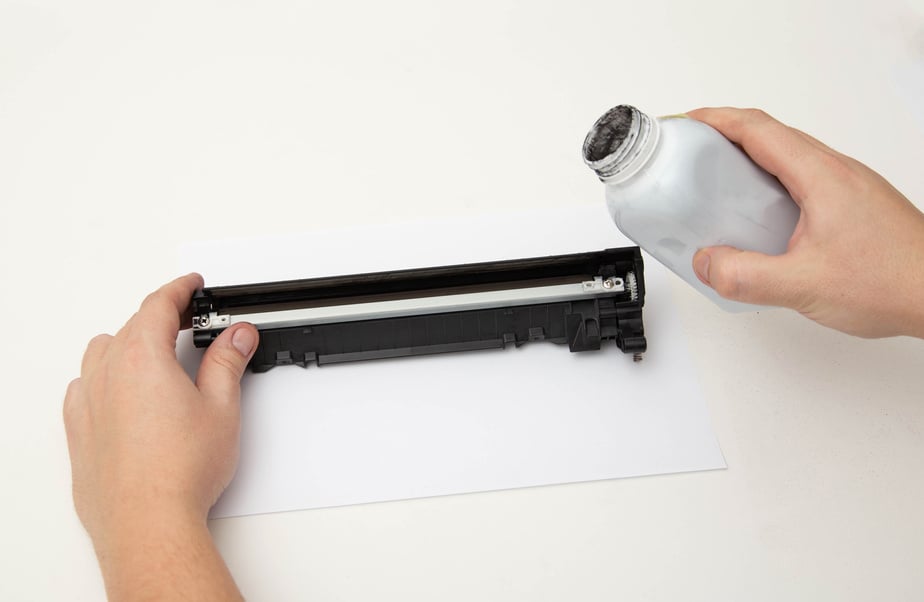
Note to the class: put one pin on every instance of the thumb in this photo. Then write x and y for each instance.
(224, 363)
(745, 276)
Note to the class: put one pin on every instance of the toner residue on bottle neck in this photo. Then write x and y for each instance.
(620, 143)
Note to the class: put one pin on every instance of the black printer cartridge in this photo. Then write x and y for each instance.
(580, 299)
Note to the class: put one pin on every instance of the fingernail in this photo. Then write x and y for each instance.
(701, 266)
(243, 340)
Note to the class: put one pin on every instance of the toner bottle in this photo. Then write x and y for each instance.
(675, 185)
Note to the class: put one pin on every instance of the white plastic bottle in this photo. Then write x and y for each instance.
(675, 185)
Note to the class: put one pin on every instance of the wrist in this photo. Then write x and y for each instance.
(165, 556)
(129, 533)
(126, 522)
(130, 543)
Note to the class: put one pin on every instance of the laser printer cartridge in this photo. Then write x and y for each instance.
(579, 299)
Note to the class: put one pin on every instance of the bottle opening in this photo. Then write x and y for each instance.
(608, 133)
(619, 143)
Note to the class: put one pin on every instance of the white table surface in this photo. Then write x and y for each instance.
(127, 128)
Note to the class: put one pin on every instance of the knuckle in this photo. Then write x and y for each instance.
(95, 353)
(70, 405)
(224, 360)
(756, 115)
(99, 342)
(153, 299)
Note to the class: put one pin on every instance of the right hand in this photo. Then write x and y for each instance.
(856, 259)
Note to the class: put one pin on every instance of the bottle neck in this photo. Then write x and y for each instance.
(620, 143)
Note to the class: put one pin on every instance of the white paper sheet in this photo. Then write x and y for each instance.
(463, 422)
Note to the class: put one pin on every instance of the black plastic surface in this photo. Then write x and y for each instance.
(581, 324)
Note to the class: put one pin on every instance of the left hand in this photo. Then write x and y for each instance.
(147, 445)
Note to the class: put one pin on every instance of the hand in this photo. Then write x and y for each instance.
(150, 450)
(856, 259)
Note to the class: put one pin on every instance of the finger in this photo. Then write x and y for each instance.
(162, 312)
(72, 410)
(96, 349)
(781, 150)
(747, 276)
(224, 362)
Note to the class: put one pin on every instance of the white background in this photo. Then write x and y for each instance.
(127, 128)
